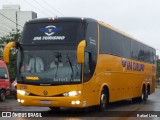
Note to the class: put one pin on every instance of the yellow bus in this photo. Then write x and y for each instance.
(80, 62)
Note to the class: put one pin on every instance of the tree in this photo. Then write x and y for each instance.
(158, 69)
(13, 56)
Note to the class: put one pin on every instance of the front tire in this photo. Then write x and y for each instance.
(2, 95)
(103, 100)
(144, 94)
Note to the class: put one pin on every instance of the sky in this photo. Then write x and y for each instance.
(138, 18)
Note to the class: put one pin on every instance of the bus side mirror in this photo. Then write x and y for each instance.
(80, 51)
(6, 51)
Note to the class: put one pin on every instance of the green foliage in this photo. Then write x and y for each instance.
(10, 38)
(12, 65)
(158, 69)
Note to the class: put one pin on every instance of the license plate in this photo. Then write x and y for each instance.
(45, 102)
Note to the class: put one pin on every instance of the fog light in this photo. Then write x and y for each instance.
(72, 93)
(22, 101)
(77, 102)
(19, 100)
(73, 102)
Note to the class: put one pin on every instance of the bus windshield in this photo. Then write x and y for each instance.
(49, 67)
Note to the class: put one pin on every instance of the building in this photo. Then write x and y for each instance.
(17, 19)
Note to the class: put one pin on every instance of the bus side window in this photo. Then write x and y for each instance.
(87, 70)
(86, 64)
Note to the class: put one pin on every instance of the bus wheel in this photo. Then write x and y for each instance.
(55, 108)
(103, 100)
(144, 96)
(2, 95)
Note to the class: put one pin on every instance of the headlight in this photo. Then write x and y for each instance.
(22, 92)
(72, 93)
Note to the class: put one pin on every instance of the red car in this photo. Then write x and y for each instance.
(4, 81)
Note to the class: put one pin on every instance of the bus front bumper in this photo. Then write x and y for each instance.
(73, 102)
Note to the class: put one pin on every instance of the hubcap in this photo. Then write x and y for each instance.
(103, 100)
(142, 95)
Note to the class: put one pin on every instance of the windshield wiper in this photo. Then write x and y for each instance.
(70, 66)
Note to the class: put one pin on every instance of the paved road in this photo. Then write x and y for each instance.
(115, 111)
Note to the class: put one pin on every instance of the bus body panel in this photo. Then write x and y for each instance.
(124, 82)
(88, 97)
(52, 93)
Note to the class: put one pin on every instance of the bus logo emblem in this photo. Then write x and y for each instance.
(45, 92)
(50, 30)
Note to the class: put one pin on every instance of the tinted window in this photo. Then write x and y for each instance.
(116, 39)
(134, 50)
(87, 67)
(141, 54)
(60, 32)
(115, 43)
(3, 73)
(92, 43)
(146, 54)
(126, 47)
(152, 55)
(105, 40)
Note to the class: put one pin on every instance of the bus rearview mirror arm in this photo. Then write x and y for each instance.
(80, 52)
(6, 51)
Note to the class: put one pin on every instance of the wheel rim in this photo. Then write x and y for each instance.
(103, 101)
(143, 95)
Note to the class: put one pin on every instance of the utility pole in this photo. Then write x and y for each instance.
(16, 23)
